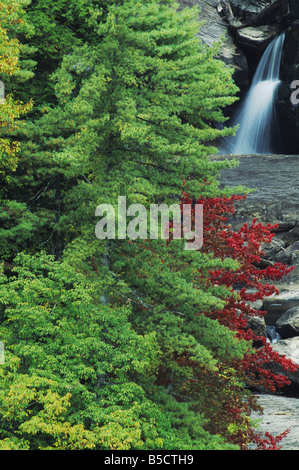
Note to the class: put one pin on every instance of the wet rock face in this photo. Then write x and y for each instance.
(289, 72)
(253, 23)
(293, 9)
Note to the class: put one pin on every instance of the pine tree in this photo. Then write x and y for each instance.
(135, 115)
(12, 22)
(134, 118)
(140, 103)
(57, 27)
(41, 33)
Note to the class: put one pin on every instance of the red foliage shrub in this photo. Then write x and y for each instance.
(251, 282)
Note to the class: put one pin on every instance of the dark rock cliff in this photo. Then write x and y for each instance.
(287, 112)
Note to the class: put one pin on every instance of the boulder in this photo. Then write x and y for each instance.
(290, 349)
(288, 324)
(257, 325)
(277, 305)
(276, 251)
(257, 12)
(256, 38)
(290, 236)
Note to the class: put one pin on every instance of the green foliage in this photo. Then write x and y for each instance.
(75, 373)
(11, 21)
(141, 102)
(127, 102)
(62, 354)
(58, 26)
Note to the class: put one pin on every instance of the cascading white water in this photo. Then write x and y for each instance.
(256, 117)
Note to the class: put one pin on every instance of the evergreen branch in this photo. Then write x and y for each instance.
(39, 193)
(134, 293)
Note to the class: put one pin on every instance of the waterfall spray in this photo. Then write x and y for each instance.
(256, 117)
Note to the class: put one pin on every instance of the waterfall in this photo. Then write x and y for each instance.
(272, 334)
(256, 117)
